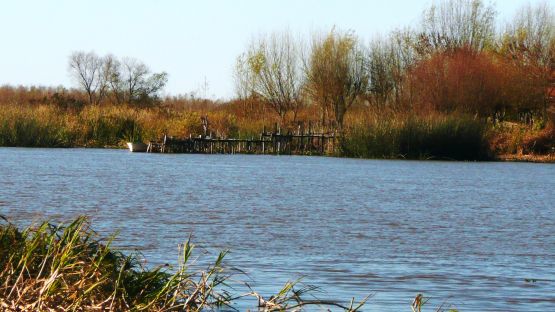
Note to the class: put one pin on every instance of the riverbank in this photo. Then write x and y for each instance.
(528, 158)
(367, 133)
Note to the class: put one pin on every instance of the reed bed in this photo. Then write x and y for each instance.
(68, 268)
(368, 133)
(445, 137)
(41, 127)
(65, 268)
(106, 126)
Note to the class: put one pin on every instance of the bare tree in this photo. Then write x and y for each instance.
(389, 61)
(113, 74)
(87, 70)
(531, 34)
(272, 70)
(336, 74)
(127, 81)
(379, 70)
(131, 81)
(109, 66)
(529, 41)
(134, 75)
(458, 23)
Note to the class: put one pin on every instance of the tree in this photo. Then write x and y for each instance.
(243, 78)
(379, 70)
(127, 81)
(530, 36)
(271, 70)
(131, 81)
(457, 24)
(528, 43)
(88, 70)
(464, 81)
(389, 61)
(336, 74)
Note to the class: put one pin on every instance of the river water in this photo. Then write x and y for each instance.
(476, 236)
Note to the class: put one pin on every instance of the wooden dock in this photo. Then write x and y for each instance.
(273, 143)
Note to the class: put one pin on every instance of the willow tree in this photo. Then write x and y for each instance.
(272, 71)
(336, 74)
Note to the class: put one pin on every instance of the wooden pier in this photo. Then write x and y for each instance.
(274, 143)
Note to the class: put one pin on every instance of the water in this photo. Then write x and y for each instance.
(469, 234)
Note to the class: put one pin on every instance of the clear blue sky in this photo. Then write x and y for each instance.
(191, 40)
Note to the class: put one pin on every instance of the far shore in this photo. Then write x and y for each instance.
(524, 158)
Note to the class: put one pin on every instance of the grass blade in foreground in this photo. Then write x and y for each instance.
(67, 268)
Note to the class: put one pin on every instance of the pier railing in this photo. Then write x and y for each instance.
(275, 143)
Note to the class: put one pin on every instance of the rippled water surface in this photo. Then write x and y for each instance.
(470, 234)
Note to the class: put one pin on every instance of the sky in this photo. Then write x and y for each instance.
(195, 42)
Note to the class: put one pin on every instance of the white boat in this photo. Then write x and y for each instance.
(137, 147)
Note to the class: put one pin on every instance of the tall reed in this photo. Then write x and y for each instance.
(47, 125)
(68, 268)
(367, 134)
(458, 137)
(42, 126)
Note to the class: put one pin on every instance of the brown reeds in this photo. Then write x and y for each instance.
(68, 268)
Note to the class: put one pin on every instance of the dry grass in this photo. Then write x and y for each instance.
(519, 142)
(369, 133)
(67, 268)
(109, 126)
(395, 135)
